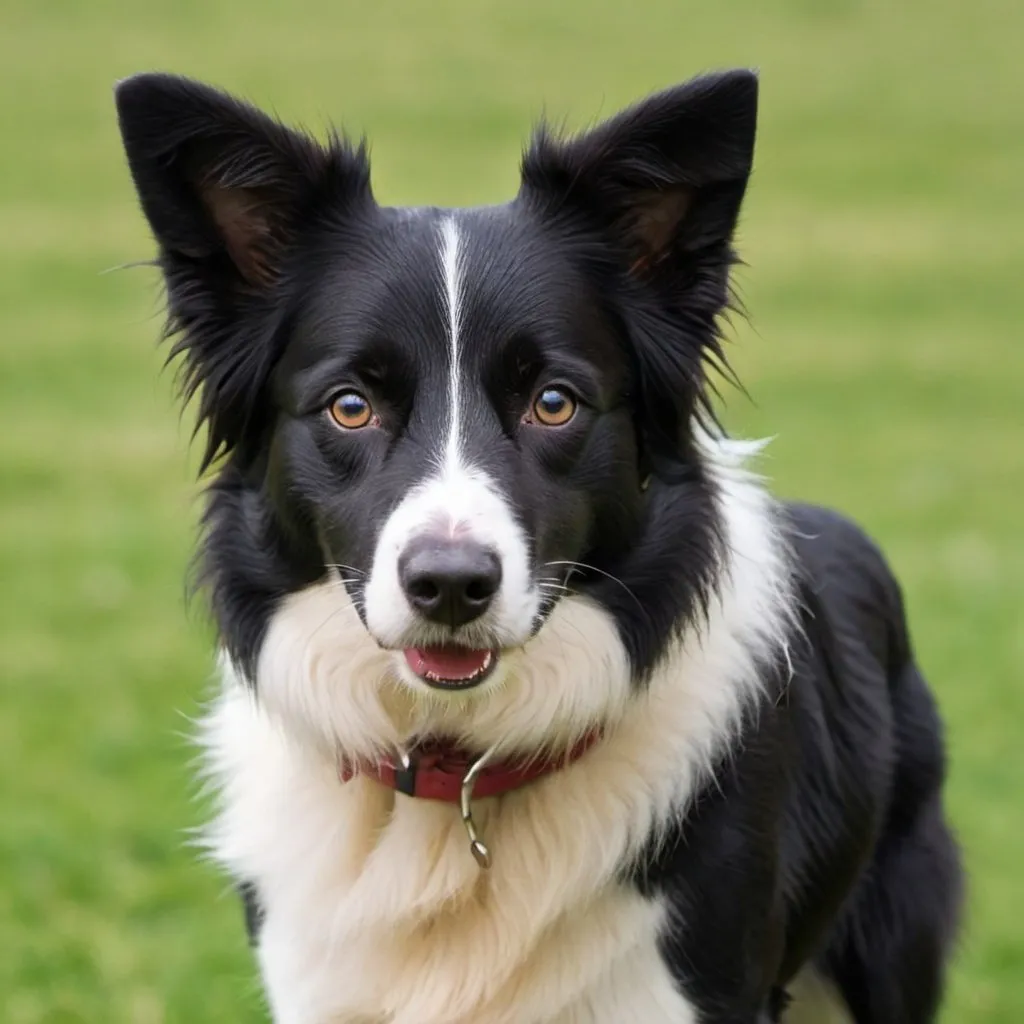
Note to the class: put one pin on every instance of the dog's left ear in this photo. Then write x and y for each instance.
(228, 192)
(661, 183)
(222, 184)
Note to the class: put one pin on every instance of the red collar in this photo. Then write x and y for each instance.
(437, 772)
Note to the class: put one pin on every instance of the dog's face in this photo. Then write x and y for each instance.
(460, 417)
(454, 420)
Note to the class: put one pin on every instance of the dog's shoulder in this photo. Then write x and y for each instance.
(850, 600)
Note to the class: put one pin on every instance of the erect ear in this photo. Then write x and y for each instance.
(219, 181)
(665, 176)
(660, 186)
(227, 192)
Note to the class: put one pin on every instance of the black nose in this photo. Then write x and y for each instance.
(449, 581)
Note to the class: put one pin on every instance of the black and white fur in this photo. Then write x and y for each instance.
(765, 804)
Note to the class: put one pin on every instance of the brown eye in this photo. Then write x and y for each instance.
(553, 407)
(350, 410)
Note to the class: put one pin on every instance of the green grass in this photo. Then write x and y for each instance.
(883, 233)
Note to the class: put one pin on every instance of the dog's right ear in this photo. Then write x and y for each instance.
(661, 183)
(220, 182)
(227, 191)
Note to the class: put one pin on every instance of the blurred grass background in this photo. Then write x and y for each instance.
(883, 233)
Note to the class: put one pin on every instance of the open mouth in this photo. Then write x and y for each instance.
(451, 667)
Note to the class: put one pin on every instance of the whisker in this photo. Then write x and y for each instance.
(342, 579)
(339, 565)
(554, 583)
(594, 568)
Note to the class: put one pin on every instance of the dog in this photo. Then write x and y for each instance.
(535, 706)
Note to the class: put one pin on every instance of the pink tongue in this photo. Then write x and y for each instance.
(447, 662)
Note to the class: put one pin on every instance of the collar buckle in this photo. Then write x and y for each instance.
(405, 774)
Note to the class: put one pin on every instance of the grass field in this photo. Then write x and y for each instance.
(884, 233)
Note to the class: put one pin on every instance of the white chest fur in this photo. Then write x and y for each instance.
(376, 912)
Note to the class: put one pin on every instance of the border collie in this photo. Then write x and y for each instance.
(535, 706)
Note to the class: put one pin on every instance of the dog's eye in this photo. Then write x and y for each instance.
(553, 407)
(351, 410)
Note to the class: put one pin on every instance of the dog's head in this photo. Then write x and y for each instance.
(459, 422)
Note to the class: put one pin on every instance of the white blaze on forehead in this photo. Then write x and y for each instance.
(451, 267)
(458, 499)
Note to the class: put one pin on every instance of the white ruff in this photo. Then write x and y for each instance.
(375, 911)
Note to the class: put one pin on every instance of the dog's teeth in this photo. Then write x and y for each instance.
(484, 667)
